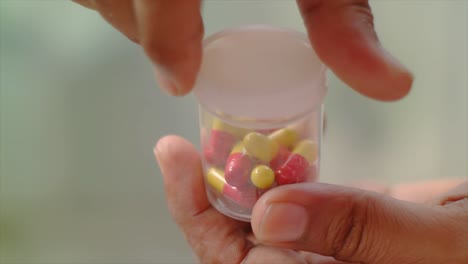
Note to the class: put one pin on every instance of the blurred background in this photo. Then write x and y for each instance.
(80, 114)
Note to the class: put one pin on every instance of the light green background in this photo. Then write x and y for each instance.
(80, 113)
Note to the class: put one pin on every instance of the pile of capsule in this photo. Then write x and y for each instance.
(242, 164)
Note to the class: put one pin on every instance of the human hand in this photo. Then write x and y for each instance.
(342, 223)
(341, 31)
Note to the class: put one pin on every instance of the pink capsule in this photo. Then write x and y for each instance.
(248, 196)
(238, 168)
(244, 197)
(218, 147)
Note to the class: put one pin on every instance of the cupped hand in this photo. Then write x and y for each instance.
(341, 31)
(317, 223)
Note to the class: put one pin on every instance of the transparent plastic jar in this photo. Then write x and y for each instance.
(260, 91)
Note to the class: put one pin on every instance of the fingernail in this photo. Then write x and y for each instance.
(165, 81)
(156, 152)
(283, 222)
(158, 149)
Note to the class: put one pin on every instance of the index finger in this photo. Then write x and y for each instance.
(171, 33)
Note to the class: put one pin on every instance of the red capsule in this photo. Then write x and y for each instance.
(293, 171)
(296, 168)
(280, 158)
(218, 147)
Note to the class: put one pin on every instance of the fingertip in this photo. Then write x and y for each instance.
(162, 144)
(166, 83)
(269, 215)
(172, 149)
(160, 147)
(393, 80)
(171, 33)
(178, 78)
(342, 33)
(370, 70)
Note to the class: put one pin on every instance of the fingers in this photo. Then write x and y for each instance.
(180, 165)
(265, 254)
(171, 32)
(456, 194)
(425, 191)
(358, 226)
(318, 259)
(119, 13)
(343, 35)
(207, 231)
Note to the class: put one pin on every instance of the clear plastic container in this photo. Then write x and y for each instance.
(260, 91)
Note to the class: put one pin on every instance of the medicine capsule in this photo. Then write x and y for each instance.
(215, 177)
(286, 137)
(245, 197)
(295, 169)
(238, 166)
(260, 146)
(281, 157)
(218, 147)
(262, 177)
(307, 149)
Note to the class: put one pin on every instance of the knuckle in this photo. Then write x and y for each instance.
(234, 249)
(208, 235)
(346, 235)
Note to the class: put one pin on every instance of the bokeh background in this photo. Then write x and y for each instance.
(80, 113)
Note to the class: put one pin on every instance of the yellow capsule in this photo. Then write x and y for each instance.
(260, 146)
(286, 137)
(215, 177)
(262, 177)
(308, 149)
(223, 126)
(239, 147)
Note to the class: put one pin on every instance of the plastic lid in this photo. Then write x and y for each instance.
(260, 74)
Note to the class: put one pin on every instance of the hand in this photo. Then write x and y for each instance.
(341, 223)
(341, 31)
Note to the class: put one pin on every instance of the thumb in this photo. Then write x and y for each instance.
(358, 226)
(342, 33)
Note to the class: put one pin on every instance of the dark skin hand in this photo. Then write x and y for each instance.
(300, 223)
(319, 223)
(341, 31)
